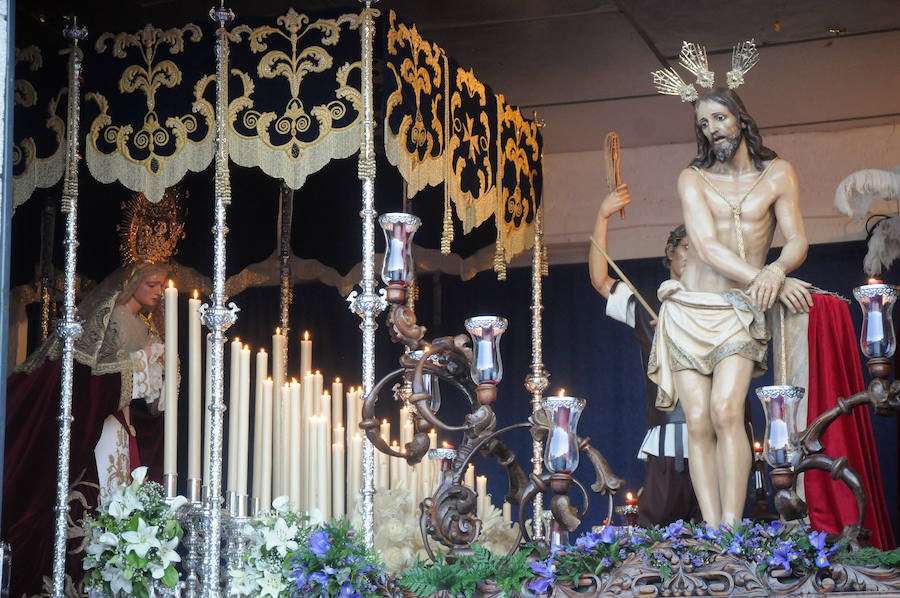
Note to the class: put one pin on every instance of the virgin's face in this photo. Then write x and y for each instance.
(150, 291)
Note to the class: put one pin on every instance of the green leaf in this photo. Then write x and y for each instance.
(170, 577)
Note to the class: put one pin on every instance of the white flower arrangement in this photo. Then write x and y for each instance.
(133, 541)
(270, 537)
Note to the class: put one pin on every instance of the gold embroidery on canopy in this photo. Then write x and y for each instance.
(159, 167)
(514, 218)
(472, 208)
(35, 171)
(423, 72)
(277, 145)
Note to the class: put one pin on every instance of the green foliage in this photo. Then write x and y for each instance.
(870, 557)
(461, 576)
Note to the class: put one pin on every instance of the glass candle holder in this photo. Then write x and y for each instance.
(446, 457)
(430, 381)
(399, 228)
(561, 449)
(780, 444)
(876, 338)
(485, 332)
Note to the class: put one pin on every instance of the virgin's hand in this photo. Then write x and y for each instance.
(795, 295)
(763, 291)
(615, 201)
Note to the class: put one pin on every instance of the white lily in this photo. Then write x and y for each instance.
(138, 476)
(281, 504)
(271, 585)
(116, 578)
(177, 502)
(167, 552)
(122, 505)
(281, 538)
(143, 539)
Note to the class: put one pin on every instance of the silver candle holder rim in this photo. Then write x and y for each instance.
(556, 401)
(412, 222)
(442, 453)
(874, 289)
(786, 391)
(497, 322)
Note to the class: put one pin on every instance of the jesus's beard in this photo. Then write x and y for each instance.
(724, 150)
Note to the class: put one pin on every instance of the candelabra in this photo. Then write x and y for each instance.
(449, 514)
(792, 452)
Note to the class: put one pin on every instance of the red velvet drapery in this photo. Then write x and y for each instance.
(834, 371)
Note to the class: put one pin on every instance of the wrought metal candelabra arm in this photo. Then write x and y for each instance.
(882, 394)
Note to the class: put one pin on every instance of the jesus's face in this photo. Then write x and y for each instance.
(720, 127)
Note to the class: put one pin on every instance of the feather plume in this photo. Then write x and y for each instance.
(884, 246)
(855, 194)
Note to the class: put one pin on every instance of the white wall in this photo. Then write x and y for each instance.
(574, 184)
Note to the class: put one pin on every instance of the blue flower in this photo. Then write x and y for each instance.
(637, 539)
(674, 530)
(347, 591)
(586, 542)
(783, 556)
(735, 547)
(608, 535)
(605, 562)
(319, 578)
(299, 576)
(817, 539)
(773, 528)
(319, 543)
(546, 572)
(705, 533)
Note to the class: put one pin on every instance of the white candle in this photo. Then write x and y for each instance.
(337, 478)
(265, 490)
(386, 431)
(195, 383)
(470, 476)
(317, 391)
(284, 474)
(482, 501)
(395, 465)
(337, 403)
(432, 439)
(278, 456)
(170, 434)
(234, 389)
(207, 415)
(383, 472)
(354, 471)
(323, 479)
(414, 488)
(295, 480)
(325, 463)
(305, 353)
(262, 366)
(507, 512)
(307, 410)
(243, 450)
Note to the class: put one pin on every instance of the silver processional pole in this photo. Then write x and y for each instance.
(69, 327)
(218, 318)
(368, 304)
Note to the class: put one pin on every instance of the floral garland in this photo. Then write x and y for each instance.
(286, 556)
(133, 541)
(796, 550)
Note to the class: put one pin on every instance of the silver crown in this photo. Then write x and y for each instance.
(693, 59)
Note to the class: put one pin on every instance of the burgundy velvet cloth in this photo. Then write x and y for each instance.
(835, 371)
(29, 473)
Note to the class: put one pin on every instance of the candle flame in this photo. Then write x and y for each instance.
(269, 379)
(444, 444)
(263, 351)
(384, 421)
(171, 284)
(237, 340)
(427, 348)
(871, 281)
(318, 373)
(278, 331)
(247, 348)
(757, 446)
(306, 335)
(326, 394)
(294, 381)
(629, 496)
(337, 380)
(196, 295)
(562, 392)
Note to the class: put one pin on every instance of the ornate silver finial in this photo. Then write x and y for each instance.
(73, 31)
(744, 57)
(668, 82)
(221, 15)
(693, 58)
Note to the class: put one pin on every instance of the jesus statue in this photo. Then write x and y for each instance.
(712, 337)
